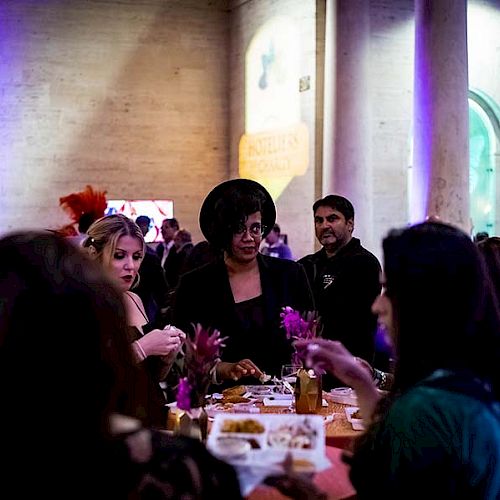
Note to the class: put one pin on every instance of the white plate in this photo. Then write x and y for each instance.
(229, 447)
(274, 436)
(357, 423)
(344, 395)
(216, 408)
(258, 390)
(284, 400)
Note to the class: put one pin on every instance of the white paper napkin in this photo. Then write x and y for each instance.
(285, 402)
(278, 402)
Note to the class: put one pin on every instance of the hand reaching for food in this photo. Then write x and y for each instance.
(234, 371)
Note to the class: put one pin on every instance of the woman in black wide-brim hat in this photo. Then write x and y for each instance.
(242, 292)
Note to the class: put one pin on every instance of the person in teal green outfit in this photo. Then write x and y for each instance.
(436, 434)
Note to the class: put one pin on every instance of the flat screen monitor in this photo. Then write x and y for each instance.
(156, 210)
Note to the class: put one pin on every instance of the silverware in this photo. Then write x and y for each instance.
(288, 386)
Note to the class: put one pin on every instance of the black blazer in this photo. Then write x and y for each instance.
(204, 296)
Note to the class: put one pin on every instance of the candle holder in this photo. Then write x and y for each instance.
(192, 423)
(308, 392)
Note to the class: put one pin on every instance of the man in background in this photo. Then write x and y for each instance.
(144, 223)
(344, 277)
(480, 236)
(176, 262)
(168, 229)
(275, 246)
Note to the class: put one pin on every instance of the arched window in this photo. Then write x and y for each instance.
(484, 140)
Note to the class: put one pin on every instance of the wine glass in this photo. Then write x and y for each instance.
(289, 377)
(289, 373)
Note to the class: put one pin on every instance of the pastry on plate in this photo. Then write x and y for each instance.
(249, 426)
(237, 390)
(235, 399)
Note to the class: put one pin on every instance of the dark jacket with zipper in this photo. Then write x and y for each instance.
(345, 287)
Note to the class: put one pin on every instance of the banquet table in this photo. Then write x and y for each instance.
(339, 437)
(338, 433)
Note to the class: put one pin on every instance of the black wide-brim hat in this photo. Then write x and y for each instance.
(208, 213)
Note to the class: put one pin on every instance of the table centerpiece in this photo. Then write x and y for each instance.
(308, 387)
(202, 353)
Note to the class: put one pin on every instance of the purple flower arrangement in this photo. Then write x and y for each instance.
(299, 327)
(202, 351)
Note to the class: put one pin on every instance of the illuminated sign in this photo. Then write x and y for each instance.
(275, 146)
(275, 157)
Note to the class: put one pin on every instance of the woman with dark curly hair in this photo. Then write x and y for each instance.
(241, 292)
(437, 433)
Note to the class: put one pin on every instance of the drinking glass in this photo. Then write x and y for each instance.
(289, 373)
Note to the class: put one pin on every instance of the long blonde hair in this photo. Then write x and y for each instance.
(104, 233)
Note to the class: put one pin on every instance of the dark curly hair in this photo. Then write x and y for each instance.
(231, 211)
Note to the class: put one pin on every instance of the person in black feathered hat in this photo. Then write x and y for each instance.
(242, 292)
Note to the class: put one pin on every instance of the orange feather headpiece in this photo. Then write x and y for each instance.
(88, 202)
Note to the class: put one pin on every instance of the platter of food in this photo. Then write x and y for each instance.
(260, 390)
(269, 439)
(224, 408)
(242, 393)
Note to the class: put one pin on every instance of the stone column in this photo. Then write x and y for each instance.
(350, 173)
(439, 178)
(329, 96)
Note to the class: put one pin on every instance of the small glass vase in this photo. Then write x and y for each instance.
(192, 423)
(308, 392)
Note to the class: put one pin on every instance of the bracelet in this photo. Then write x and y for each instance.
(377, 376)
(140, 351)
(382, 381)
(213, 373)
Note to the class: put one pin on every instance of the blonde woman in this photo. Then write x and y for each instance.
(117, 243)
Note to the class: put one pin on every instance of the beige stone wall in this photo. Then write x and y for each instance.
(294, 204)
(131, 97)
(144, 98)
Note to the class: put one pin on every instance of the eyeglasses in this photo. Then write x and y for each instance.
(256, 230)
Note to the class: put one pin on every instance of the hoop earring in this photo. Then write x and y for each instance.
(136, 282)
